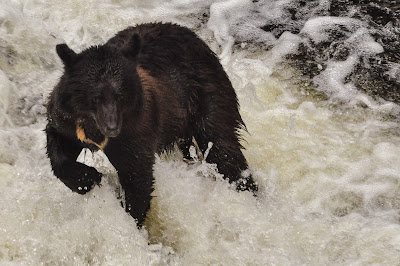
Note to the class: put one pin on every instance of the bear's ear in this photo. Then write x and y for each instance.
(132, 48)
(66, 54)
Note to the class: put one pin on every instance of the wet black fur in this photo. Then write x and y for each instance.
(180, 92)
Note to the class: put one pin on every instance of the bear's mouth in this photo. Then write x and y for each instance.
(81, 135)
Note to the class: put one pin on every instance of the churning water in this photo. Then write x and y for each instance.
(318, 84)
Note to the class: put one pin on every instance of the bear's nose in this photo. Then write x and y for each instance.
(112, 132)
(111, 121)
(112, 127)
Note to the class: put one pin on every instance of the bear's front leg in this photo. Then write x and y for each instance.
(134, 165)
(62, 153)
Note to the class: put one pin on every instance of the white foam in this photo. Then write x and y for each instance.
(4, 94)
(316, 28)
(286, 44)
(221, 14)
(360, 43)
(332, 80)
(328, 177)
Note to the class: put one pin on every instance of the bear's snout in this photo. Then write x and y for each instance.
(109, 120)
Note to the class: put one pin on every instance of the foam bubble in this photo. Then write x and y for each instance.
(328, 175)
(4, 94)
(318, 28)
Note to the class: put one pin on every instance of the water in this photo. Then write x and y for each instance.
(318, 86)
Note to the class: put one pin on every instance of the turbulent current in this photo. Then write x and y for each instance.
(318, 85)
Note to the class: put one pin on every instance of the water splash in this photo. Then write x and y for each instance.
(324, 153)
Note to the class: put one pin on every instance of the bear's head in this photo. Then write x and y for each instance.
(101, 83)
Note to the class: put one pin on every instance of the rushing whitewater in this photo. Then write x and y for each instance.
(318, 90)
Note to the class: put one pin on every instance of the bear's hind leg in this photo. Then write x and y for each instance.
(62, 153)
(218, 122)
(226, 153)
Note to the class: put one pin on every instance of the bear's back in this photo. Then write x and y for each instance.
(166, 47)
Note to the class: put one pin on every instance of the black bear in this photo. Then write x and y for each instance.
(148, 87)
